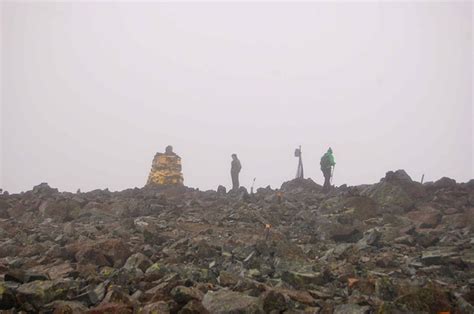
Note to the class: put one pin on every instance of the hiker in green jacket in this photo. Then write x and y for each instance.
(327, 163)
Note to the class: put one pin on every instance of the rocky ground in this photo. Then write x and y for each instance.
(397, 246)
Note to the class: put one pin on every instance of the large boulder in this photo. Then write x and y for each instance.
(395, 189)
(43, 189)
(444, 183)
(34, 295)
(138, 261)
(301, 185)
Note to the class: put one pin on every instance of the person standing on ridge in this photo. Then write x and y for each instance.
(327, 165)
(234, 171)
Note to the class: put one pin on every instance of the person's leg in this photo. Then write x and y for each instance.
(235, 181)
(327, 178)
(324, 175)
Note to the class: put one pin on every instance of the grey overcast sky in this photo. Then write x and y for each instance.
(91, 91)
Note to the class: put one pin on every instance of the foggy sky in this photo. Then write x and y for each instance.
(91, 91)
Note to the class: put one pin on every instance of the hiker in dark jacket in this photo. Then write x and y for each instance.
(327, 163)
(234, 171)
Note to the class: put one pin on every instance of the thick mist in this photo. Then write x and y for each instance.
(90, 91)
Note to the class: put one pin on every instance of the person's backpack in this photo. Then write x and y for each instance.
(325, 161)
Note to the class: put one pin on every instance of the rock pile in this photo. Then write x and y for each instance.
(397, 246)
(165, 169)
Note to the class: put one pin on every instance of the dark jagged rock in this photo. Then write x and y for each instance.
(24, 277)
(396, 188)
(344, 233)
(7, 297)
(44, 189)
(444, 183)
(273, 300)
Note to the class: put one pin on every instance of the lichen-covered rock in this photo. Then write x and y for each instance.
(138, 261)
(159, 307)
(66, 307)
(117, 296)
(7, 298)
(226, 301)
(34, 295)
(302, 280)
